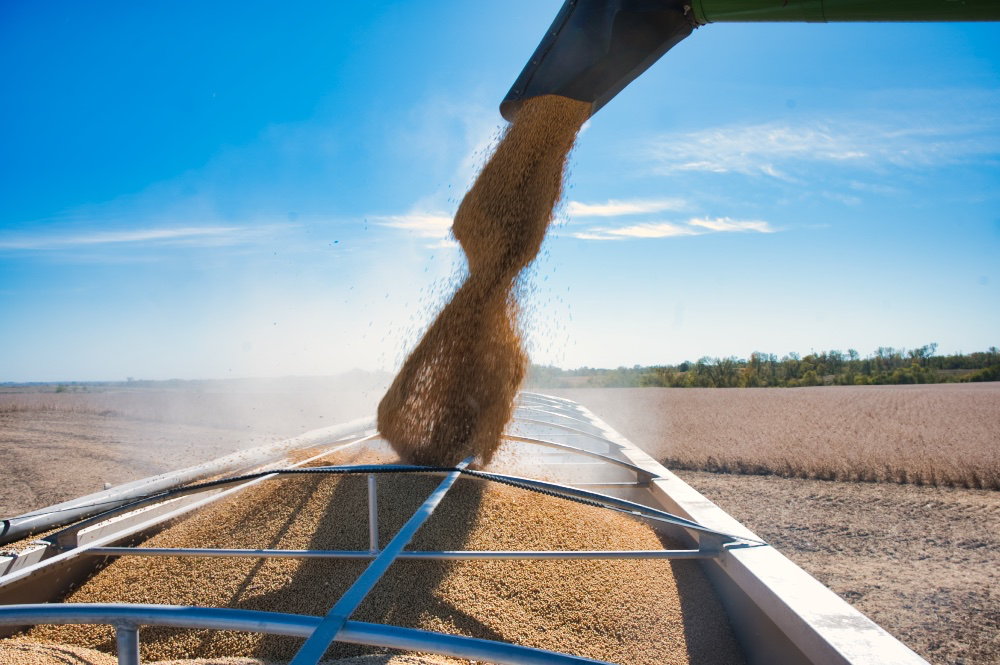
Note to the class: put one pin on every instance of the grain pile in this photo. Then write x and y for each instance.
(454, 394)
(621, 611)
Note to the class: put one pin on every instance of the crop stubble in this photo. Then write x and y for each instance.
(922, 562)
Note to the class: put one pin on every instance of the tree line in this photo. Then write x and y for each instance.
(886, 365)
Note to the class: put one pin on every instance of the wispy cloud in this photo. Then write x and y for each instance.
(692, 227)
(724, 224)
(187, 236)
(776, 149)
(846, 199)
(647, 230)
(617, 208)
(423, 224)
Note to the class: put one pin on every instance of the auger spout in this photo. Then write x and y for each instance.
(595, 48)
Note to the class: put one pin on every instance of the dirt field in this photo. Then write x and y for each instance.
(58, 446)
(921, 561)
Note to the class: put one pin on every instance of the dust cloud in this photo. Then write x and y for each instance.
(56, 446)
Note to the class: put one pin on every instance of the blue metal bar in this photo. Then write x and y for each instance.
(171, 616)
(456, 646)
(612, 503)
(293, 625)
(127, 639)
(66, 538)
(317, 644)
(450, 555)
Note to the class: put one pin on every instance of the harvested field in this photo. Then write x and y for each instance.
(622, 611)
(54, 456)
(285, 407)
(921, 561)
(939, 435)
(55, 447)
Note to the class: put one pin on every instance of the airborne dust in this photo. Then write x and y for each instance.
(455, 393)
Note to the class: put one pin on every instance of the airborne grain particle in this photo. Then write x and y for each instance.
(454, 394)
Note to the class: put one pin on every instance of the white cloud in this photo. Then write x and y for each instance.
(777, 149)
(693, 227)
(617, 208)
(424, 224)
(846, 199)
(649, 230)
(874, 188)
(187, 236)
(722, 224)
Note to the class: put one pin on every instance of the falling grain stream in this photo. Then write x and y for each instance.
(455, 393)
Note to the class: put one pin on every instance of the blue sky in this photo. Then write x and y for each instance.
(205, 190)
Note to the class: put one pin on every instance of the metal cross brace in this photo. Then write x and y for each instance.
(326, 632)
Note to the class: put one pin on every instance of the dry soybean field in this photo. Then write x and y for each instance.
(919, 559)
(940, 435)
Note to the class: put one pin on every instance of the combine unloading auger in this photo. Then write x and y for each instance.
(595, 48)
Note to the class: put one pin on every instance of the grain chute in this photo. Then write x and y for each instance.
(594, 48)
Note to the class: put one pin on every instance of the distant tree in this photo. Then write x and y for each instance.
(886, 365)
(810, 378)
(985, 374)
